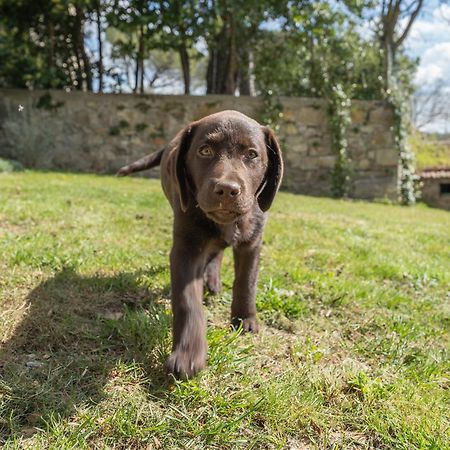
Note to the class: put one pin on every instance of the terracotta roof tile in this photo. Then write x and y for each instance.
(435, 173)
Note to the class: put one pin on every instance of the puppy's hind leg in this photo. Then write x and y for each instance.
(212, 273)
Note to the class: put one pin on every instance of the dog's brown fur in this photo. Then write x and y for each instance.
(220, 175)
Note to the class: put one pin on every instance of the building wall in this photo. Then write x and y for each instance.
(101, 132)
(431, 192)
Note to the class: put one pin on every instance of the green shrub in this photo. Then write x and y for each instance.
(10, 165)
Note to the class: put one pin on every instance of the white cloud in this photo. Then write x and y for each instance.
(434, 64)
(442, 12)
(427, 31)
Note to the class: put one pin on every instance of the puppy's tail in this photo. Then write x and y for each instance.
(147, 162)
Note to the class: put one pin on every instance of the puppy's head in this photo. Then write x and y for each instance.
(226, 162)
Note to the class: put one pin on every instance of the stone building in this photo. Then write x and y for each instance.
(436, 187)
(88, 132)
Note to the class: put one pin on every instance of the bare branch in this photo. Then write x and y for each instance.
(414, 14)
(430, 104)
(407, 11)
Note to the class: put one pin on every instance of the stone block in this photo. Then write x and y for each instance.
(311, 115)
(363, 164)
(383, 139)
(291, 129)
(301, 162)
(382, 114)
(358, 115)
(292, 145)
(369, 186)
(387, 157)
(327, 161)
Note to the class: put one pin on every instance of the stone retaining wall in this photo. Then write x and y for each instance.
(100, 132)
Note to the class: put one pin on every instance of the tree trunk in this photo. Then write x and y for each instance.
(389, 58)
(251, 73)
(76, 49)
(246, 74)
(315, 78)
(390, 17)
(51, 45)
(136, 74)
(230, 84)
(86, 67)
(215, 77)
(211, 71)
(141, 59)
(184, 59)
(220, 78)
(100, 47)
(85, 76)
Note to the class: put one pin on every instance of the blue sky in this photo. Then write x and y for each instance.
(429, 40)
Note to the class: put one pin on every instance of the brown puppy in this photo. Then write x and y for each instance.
(220, 175)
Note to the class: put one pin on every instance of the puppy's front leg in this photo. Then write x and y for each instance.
(246, 268)
(189, 329)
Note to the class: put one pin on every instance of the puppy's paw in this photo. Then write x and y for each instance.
(213, 285)
(248, 324)
(211, 279)
(184, 364)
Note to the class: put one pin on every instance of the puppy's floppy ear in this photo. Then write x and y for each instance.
(274, 174)
(181, 174)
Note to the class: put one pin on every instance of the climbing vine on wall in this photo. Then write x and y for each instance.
(339, 104)
(272, 111)
(407, 178)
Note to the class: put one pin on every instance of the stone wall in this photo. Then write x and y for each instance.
(101, 132)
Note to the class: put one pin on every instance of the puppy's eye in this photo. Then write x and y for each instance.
(252, 154)
(205, 151)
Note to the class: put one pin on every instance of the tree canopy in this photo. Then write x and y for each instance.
(218, 46)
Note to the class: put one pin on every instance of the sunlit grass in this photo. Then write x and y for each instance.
(353, 300)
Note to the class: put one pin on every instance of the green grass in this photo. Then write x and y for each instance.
(429, 152)
(353, 301)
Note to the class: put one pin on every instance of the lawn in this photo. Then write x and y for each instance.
(353, 303)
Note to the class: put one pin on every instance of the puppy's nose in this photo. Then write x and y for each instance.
(226, 189)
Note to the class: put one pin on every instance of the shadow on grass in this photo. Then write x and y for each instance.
(74, 334)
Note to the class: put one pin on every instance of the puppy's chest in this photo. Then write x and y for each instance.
(232, 235)
(238, 233)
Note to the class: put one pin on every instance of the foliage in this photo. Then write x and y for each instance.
(9, 165)
(51, 45)
(398, 94)
(429, 151)
(331, 61)
(339, 116)
(407, 178)
(272, 111)
(34, 144)
(352, 352)
(43, 44)
(393, 26)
